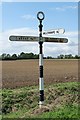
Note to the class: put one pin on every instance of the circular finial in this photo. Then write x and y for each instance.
(40, 15)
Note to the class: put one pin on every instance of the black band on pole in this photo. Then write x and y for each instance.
(41, 95)
(40, 26)
(41, 71)
(40, 47)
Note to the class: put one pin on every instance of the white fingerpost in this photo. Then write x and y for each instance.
(40, 17)
(55, 31)
(40, 39)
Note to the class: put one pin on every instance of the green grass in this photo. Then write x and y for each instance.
(62, 98)
(0, 117)
(62, 112)
(17, 114)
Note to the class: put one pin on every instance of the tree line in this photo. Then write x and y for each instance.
(23, 55)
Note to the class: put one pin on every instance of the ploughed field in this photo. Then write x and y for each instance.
(26, 72)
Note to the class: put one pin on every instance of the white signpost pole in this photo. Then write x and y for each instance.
(40, 17)
(40, 39)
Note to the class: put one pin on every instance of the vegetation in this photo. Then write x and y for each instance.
(23, 55)
(61, 102)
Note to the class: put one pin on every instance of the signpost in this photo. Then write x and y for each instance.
(56, 31)
(36, 39)
(40, 40)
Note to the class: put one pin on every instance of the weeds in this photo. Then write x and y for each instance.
(61, 99)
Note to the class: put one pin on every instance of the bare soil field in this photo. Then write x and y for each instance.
(26, 72)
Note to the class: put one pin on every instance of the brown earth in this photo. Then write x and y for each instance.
(26, 72)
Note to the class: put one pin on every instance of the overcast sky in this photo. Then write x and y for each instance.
(19, 18)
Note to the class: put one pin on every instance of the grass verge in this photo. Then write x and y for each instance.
(61, 101)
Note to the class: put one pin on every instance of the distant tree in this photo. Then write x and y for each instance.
(0, 57)
(36, 56)
(8, 57)
(61, 56)
(79, 57)
(70, 56)
(76, 57)
(3, 56)
(66, 56)
(44, 57)
(49, 57)
(22, 55)
(30, 55)
(14, 57)
(27, 56)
